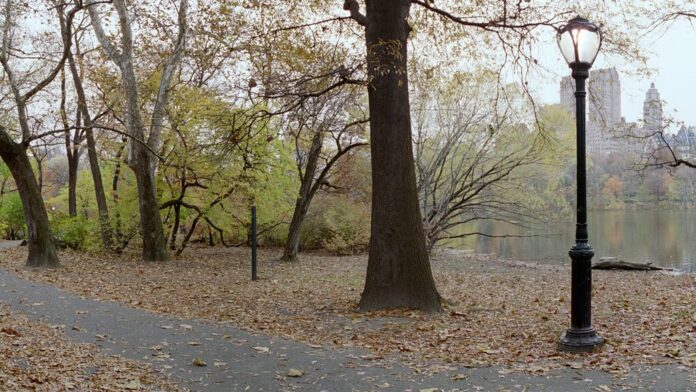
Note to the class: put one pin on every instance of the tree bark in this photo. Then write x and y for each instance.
(73, 160)
(175, 227)
(151, 229)
(42, 252)
(398, 271)
(71, 148)
(114, 195)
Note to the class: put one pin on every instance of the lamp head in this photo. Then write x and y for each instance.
(579, 41)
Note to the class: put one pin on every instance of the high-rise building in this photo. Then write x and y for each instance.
(604, 92)
(607, 131)
(567, 93)
(652, 109)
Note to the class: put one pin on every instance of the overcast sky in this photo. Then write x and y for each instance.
(672, 55)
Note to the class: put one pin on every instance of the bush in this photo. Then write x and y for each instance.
(78, 232)
(12, 224)
(339, 225)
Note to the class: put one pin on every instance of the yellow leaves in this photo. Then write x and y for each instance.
(199, 362)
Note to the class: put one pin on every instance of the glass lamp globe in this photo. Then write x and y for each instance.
(579, 41)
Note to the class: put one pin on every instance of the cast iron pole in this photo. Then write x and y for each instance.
(581, 336)
(253, 244)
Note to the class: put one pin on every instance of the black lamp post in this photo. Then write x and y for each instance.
(579, 41)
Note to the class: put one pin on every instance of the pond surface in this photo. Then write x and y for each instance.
(664, 237)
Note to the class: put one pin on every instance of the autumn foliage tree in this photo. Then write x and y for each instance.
(143, 143)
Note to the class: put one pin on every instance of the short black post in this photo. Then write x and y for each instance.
(581, 336)
(253, 244)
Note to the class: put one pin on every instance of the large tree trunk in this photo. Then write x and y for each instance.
(292, 243)
(398, 271)
(142, 161)
(142, 152)
(42, 252)
(151, 229)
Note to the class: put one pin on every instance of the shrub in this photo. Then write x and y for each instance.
(12, 224)
(338, 225)
(78, 232)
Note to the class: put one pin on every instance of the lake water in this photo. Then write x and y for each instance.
(664, 237)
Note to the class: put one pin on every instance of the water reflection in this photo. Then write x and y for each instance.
(663, 237)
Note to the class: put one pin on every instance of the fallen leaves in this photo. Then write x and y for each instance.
(10, 331)
(295, 373)
(497, 312)
(35, 356)
(261, 349)
(199, 362)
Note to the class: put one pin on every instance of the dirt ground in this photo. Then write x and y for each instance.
(499, 312)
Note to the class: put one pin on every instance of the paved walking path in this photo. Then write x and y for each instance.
(238, 360)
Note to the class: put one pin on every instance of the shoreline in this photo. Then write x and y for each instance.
(454, 252)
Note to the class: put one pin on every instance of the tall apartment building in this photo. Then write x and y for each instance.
(567, 93)
(683, 142)
(608, 132)
(604, 110)
(606, 129)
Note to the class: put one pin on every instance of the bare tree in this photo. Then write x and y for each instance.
(332, 132)
(663, 150)
(141, 158)
(85, 132)
(467, 159)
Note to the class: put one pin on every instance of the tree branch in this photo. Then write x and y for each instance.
(354, 8)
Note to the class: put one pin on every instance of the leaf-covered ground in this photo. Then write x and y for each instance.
(501, 312)
(38, 357)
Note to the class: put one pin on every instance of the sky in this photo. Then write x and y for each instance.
(672, 56)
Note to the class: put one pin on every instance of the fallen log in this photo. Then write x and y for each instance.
(611, 263)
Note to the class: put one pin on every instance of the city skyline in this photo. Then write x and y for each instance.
(608, 131)
(669, 58)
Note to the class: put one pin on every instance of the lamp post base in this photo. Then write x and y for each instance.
(580, 340)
